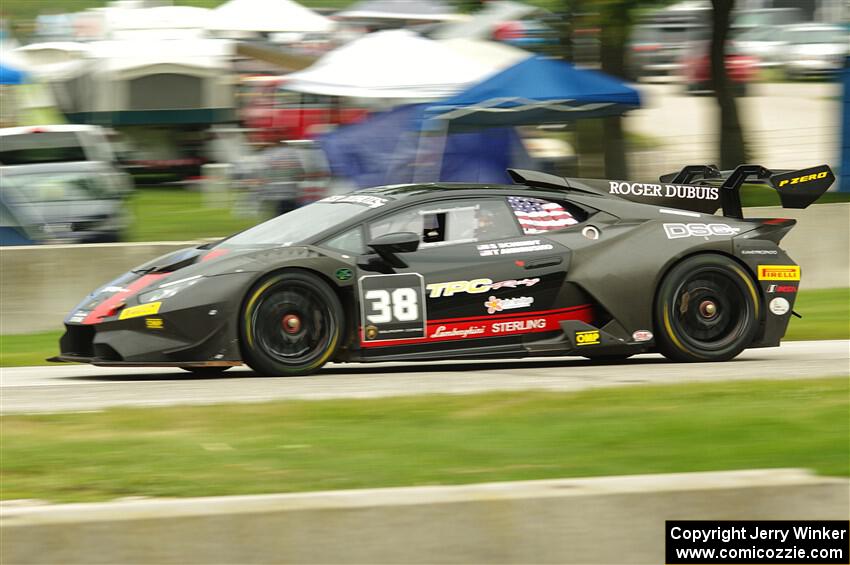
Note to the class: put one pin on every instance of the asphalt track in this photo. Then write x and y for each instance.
(73, 388)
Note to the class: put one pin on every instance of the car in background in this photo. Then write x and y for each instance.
(747, 20)
(65, 143)
(285, 176)
(799, 50)
(814, 50)
(696, 68)
(14, 229)
(759, 33)
(64, 203)
(763, 43)
(272, 114)
(60, 184)
(660, 41)
(514, 23)
(525, 34)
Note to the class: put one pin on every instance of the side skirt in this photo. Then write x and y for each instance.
(105, 363)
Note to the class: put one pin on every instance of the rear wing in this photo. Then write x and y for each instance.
(797, 189)
(698, 188)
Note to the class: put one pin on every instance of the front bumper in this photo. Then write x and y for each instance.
(197, 325)
(191, 336)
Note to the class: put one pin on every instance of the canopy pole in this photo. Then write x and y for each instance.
(431, 145)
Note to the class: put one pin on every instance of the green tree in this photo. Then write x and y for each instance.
(616, 18)
(613, 19)
(732, 150)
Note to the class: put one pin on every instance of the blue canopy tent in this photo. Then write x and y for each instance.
(383, 149)
(470, 137)
(536, 91)
(8, 75)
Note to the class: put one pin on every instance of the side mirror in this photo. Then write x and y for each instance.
(387, 246)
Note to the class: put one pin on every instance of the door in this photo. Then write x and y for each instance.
(477, 278)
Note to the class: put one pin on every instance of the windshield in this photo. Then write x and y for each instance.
(297, 226)
(824, 35)
(45, 147)
(53, 187)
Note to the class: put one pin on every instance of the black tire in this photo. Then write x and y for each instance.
(291, 324)
(706, 309)
(206, 371)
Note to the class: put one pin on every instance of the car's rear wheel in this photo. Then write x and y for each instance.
(291, 324)
(706, 309)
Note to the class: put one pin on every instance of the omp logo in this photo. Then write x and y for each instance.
(779, 272)
(804, 178)
(590, 337)
(676, 231)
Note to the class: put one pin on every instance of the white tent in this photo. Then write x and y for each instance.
(396, 64)
(131, 21)
(498, 55)
(157, 73)
(175, 22)
(419, 10)
(53, 57)
(267, 16)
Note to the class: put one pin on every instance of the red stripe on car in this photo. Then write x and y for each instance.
(109, 306)
(491, 326)
(214, 253)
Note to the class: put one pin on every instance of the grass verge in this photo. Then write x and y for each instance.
(177, 214)
(826, 315)
(339, 444)
(22, 350)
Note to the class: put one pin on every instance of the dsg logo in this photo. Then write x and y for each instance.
(676, 231)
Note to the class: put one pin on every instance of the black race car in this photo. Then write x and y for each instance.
(548, 266)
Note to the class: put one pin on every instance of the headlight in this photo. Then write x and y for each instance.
(167, 290)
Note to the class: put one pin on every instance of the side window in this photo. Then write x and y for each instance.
(406, 220)
(350, 241)
(536, 215)
(446, 223)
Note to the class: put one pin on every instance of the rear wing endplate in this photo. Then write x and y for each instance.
(797, 189)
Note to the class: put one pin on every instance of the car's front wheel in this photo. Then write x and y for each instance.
(291, 324)
(706, 309)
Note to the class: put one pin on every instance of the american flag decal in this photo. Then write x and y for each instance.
(540, 216)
